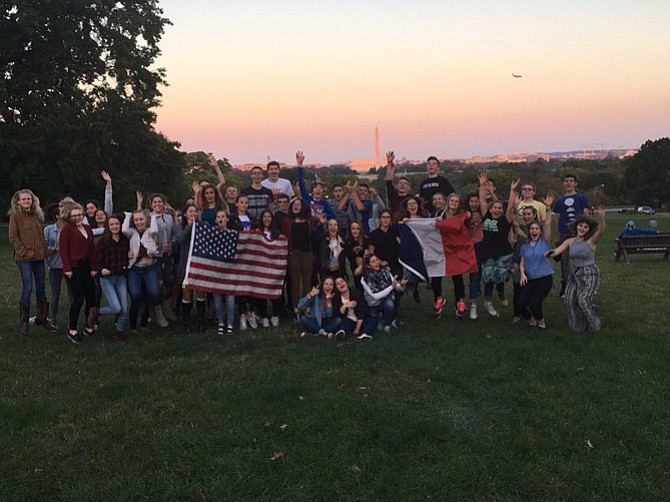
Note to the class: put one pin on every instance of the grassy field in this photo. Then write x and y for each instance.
(447, 410)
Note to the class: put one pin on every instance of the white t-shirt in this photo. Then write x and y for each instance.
(282, 185)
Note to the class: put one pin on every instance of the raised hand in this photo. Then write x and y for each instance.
(139, 197)
(483, 178)
(299, 157)
(549, 199)
(601, 211)
(195, 186)
(212, 160)
(105, 176)
(390, 158)
(314, 292)
(515, 184)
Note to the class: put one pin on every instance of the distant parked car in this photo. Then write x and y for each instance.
(645, 210)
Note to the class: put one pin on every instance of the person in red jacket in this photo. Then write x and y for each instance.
(80, 266)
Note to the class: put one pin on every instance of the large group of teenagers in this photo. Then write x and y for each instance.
(344, 274)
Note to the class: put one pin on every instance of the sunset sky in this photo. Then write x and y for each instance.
(250, 78)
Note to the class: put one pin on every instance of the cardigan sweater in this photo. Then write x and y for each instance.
(74, 247)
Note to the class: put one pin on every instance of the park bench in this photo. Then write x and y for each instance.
(655, 243)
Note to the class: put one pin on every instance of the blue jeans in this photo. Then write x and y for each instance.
(230, 308)
(368, 327)
(28, 269)
(115, 289)
(312, 325)
(136, 277)
(385, 313)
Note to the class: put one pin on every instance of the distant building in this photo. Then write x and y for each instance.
(361, 166)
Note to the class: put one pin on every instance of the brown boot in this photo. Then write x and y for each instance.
(118, 337)
(42, 315)
(91, 319)
(25, 316)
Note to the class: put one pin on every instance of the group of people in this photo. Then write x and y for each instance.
(346, 272)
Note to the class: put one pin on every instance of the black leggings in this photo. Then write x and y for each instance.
(82, 288)
(459, 287)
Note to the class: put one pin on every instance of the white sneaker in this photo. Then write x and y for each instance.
(274, 320)
(243, 322)
(473, 311)
(251, 319)
(32, 320)
(387, 329)
(265, 322)
(340, 335)
(491, 309)
(364, 336)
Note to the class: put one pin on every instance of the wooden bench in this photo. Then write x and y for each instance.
(655, 243)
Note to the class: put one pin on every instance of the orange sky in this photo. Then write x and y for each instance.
(435, 78)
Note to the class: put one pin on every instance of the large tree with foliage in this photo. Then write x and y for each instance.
(77, 90)
(647, 176)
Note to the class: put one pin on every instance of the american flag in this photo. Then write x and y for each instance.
(232, 263)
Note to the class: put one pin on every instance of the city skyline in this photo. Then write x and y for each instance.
(436, 79)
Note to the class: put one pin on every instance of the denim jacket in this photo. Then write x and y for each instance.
(51, 236)
(315, 304)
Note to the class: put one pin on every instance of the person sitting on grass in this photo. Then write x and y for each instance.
(351, 306)
(380, 290)
(319, 315)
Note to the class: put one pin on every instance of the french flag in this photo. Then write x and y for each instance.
(436, 248)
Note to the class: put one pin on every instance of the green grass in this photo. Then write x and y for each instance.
(448, 410)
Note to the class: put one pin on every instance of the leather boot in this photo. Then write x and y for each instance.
(42, 315)
(202, 319)
(25, 316)
(91, 319)
(186, 315)
(159, 317)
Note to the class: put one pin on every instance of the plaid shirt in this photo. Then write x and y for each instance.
(113, 255)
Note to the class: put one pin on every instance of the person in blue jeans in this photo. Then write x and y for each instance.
(113, 266)
(351, 306)
(321, 318)
(30, 250)
(380, 288)
(142, 269)
(222, 223)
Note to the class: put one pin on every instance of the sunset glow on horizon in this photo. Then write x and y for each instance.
(258, 78)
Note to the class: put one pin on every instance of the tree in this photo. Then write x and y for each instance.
(77, 92)
(647, 175)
